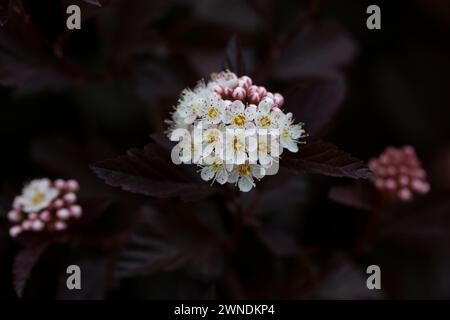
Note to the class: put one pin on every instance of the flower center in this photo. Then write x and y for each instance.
(239, 120)
(244, 170)
(213, 112)
(212, 138)
(217, 166)
(265, 122)
(38, 198)
(237, 144)
(285, 134)
(262, 147)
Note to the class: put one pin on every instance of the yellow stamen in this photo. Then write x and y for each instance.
(213, 112)
(237, 144)
(244, 170)
(239, 120)
(265, 122)
(38, 198)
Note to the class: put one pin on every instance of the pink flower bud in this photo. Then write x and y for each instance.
(63, 214)
(269, 95)
(70, 197)
(278, 99)
(403, 181)
(58, 203)
(391, 184)
(247, 81)
(262, 92)
(384, 159)
(13, 216)
(381, 172)
(409, 150)
(252, 90)
(60, 225)
(45, 216)
(33, 216)
(75, 211)
(72, 185)
(405, 194)
(227, 92)
(15, 231)
(239, 93)
(420, 186)
(26, 225)
(38, 225)
(16, 205)
(391, 170)
(254, 98)
(403, 169)
(60, 184)
(218, 89)
(418, 173)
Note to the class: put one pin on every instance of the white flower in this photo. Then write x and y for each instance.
(265, 118)
(213, 140)
(191, 106)
(289, 133)
(240, 117)
(216, 170)
(177, 122)
(235, 122)
(235, 148)
(243, 175)
(214, 110)
(268, 153)
(37, 195)
(190, 152)
(225, 79)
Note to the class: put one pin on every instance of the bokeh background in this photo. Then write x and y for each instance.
(71, 98)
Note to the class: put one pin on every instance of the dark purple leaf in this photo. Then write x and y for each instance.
(150, 171)
(317, 156)
(66, 158)
(234, 58)
(24, 263)
(272, 227)
(4, 11)
(94, 2)
(315, 101)
(234, 14)
(280, 242)
(425, 223)
(168, 241)
(353, 196)
(317, 52)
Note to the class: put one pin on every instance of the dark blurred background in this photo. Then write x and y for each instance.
(106, 87)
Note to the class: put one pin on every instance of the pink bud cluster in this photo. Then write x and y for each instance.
(244, 90)
(55, 216)
(399, 172)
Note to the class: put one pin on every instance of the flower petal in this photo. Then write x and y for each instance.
(250, 112)
(245, 184)
(265, 105)
(237, 107)
(207, 173)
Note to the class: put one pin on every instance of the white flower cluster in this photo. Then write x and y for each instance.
(229, 110)
(44, 205)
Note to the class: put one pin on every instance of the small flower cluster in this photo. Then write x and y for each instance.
(399, 172)
(227, 102)
(44, 205)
